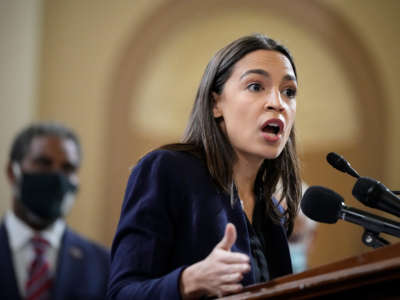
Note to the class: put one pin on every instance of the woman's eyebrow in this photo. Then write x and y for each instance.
(255, 71)
(289, 77)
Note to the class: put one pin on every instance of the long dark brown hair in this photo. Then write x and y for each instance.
(204, 138)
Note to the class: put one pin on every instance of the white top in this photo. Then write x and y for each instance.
(20, 235)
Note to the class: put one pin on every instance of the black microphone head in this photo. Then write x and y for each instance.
(340, 163)
(321, 204)
(362, 190)
(337, 161)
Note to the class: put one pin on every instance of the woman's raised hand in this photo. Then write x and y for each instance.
(219, 273)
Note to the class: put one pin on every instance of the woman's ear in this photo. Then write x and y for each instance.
(217, 112)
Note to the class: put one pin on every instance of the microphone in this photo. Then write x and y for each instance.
(373, 193)
(326, 206)
(339, 163)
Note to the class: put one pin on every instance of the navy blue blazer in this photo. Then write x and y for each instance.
(82, 270)
(173, 215)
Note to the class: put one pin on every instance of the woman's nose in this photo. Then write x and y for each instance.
(274, 101)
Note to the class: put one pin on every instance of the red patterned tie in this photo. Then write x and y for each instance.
(39, 278)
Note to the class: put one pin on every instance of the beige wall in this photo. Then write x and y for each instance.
(85, 45)
(19, 53)
(378, 25)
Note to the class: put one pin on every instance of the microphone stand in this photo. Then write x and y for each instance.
(373, 225)
(372, 239)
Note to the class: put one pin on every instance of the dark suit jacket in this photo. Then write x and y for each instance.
(82, 270)
(173, 215)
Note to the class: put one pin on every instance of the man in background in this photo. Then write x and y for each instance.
(41, 257)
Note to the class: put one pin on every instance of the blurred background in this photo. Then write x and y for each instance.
(124, 74)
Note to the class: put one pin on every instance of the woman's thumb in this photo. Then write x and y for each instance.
(229, 237)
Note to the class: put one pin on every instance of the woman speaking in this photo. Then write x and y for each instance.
(198, 218)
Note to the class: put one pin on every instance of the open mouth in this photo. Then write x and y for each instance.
(273, 127)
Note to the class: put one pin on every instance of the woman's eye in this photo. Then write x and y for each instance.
(290, 93)
(254, 87)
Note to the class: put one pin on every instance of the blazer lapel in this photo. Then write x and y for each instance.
(8, 282)
(278, 255)
(70, 265)
(237, 217)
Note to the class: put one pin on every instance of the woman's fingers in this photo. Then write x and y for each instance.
(235, 268)
(229, 289)
(231, 278)
(218, 274)
(233, 258)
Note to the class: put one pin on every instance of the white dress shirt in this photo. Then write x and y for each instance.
(20, 235)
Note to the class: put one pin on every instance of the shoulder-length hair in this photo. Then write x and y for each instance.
(204, 138)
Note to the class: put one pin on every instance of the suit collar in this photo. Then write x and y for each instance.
(20, 234)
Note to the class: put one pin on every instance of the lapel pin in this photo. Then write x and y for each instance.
(76, 252)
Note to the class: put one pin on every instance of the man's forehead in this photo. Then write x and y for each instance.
(54, 147)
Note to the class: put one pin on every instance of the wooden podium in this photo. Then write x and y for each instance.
(373, 275)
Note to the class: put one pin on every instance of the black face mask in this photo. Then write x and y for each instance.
(46, 194)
